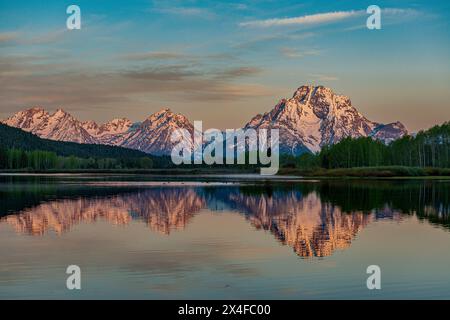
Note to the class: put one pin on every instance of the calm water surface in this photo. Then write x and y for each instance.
(223, 238)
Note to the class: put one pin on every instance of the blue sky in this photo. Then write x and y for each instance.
(222, 62)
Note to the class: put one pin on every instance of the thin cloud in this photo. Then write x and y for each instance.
(8, 36)
(239, 6)
(153, 55)
(184, 11)
(239, 72)
(324, 77)
(392, 16)
(162, 73)
(46, 38)
(191, 59)
(221, 56)
(297, 54)
(261, 42)
(398, 11)
(22, 38)
(326, 17)
(304, 20)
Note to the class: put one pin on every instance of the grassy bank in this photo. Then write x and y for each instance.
(381, 172)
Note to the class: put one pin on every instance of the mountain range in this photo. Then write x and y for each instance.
(314, 117)
(14, 138)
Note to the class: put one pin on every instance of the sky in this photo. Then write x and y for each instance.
(223, 62)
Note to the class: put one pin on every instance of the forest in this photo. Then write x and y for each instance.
(44, 160)
(430, 148)
(23, 150)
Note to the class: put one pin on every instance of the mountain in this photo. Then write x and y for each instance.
(16, 138)
(62, 126)
(151, 136)
(389, 132)
(108, 133)
(59, 126)
(316, 116)
(312, 118)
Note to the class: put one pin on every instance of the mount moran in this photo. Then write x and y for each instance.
(314, 117)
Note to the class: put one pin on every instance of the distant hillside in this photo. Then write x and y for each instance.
(19, 139)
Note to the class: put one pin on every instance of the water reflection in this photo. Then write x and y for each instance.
(315, 219)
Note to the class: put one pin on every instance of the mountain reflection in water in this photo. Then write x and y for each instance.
(315, 219)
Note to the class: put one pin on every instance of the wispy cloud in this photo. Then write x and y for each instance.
(46, 38)
(238, 72)
(153, 55)
(25, 38)
(324, 77)
(304, 20)
(322, 18)
(239, 6)
(296, 54)
(184, 11)
(260, 42)
(399, 11)
(180, 10)
(392, 16)
(8, 36)
(166, 56)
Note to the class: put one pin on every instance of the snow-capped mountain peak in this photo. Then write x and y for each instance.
(115, 126)
(57, 126)
(313, 117)
(90, 126)
(154, 134)
(27, 119)
(60, 113)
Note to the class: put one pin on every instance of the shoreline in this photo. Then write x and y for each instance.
(394, 172)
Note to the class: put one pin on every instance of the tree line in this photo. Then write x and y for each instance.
(430, 148)
(16, 159)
